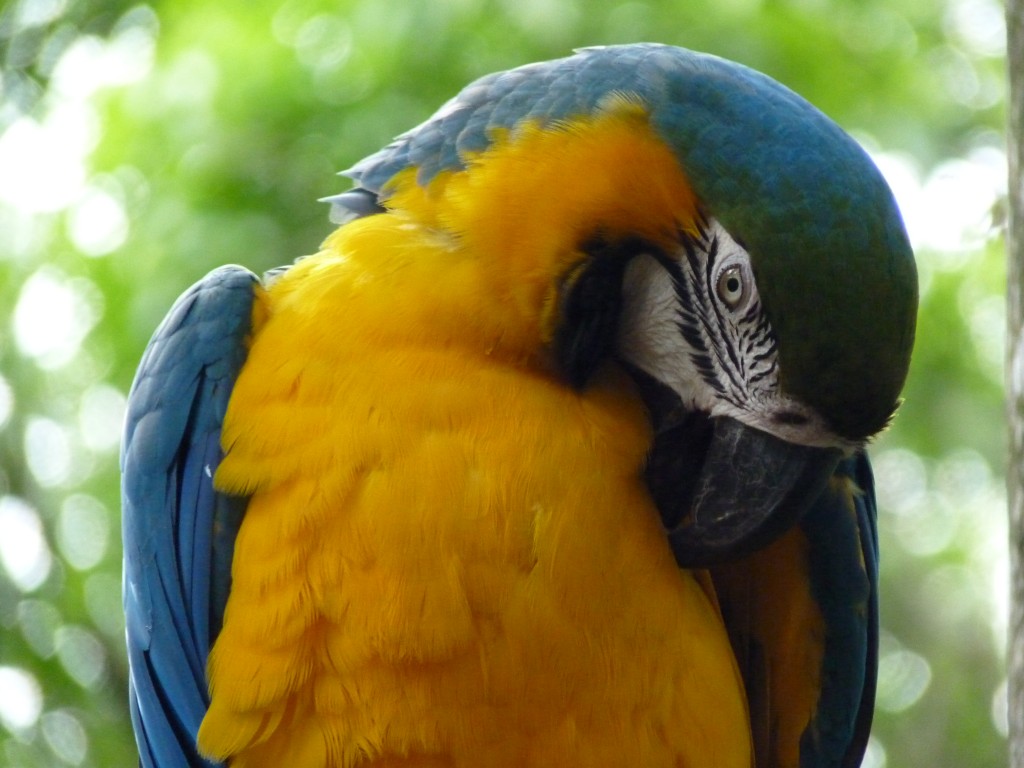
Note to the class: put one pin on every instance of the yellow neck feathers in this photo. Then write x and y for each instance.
(526, 205)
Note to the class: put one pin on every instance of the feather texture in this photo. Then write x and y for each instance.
(178, 531)
(443, 550)
(449, 556)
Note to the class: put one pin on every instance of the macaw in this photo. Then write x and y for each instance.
(554, 455)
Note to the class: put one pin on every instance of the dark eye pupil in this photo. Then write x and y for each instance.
(730, 286)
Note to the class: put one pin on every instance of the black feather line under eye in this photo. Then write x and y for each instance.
(751, 313)
(688, 326)
(734, 368)
(761, 375)
(707, 370)
(693, 315)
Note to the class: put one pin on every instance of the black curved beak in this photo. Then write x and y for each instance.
(725, 490)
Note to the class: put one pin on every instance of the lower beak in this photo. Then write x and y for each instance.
(725, 489)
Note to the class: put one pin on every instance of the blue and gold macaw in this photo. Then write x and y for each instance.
(552, 456)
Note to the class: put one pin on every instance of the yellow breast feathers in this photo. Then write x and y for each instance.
(449, 556)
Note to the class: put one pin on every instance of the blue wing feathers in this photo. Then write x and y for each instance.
(178, 531)
(843, 568)
(867, 518)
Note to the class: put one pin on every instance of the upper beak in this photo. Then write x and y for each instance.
(725, 489)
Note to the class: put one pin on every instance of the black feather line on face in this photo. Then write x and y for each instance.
(730, 353)
(692, 281)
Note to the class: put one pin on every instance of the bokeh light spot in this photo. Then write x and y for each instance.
(987, 321)
(83, 531)
(901, 480)
(21, 699)
(6, 401)
(979, 24)
(36, 13)
(53, 315)
(874, 755)
(81, 655)
(65, 736)
(47, 451)
(963, 476)
(100, 417)
(959, 196)
(927, 528)
(39, 622)
(98, 224)
(43, 162)
(91, 63)
(948, 215)
(1000, 709)
(903, 677)
(323, 42)
(23, 550)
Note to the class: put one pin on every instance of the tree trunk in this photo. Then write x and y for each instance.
(1015, 377)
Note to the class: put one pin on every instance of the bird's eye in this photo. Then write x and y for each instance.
(731, 287)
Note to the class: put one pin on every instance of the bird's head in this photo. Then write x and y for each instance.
(728, 244)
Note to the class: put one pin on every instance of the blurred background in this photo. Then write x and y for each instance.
(142, 145)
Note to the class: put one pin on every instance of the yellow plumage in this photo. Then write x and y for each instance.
(450, 557)
(786, 637)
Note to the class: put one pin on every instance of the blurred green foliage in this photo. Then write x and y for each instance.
(143, 145)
